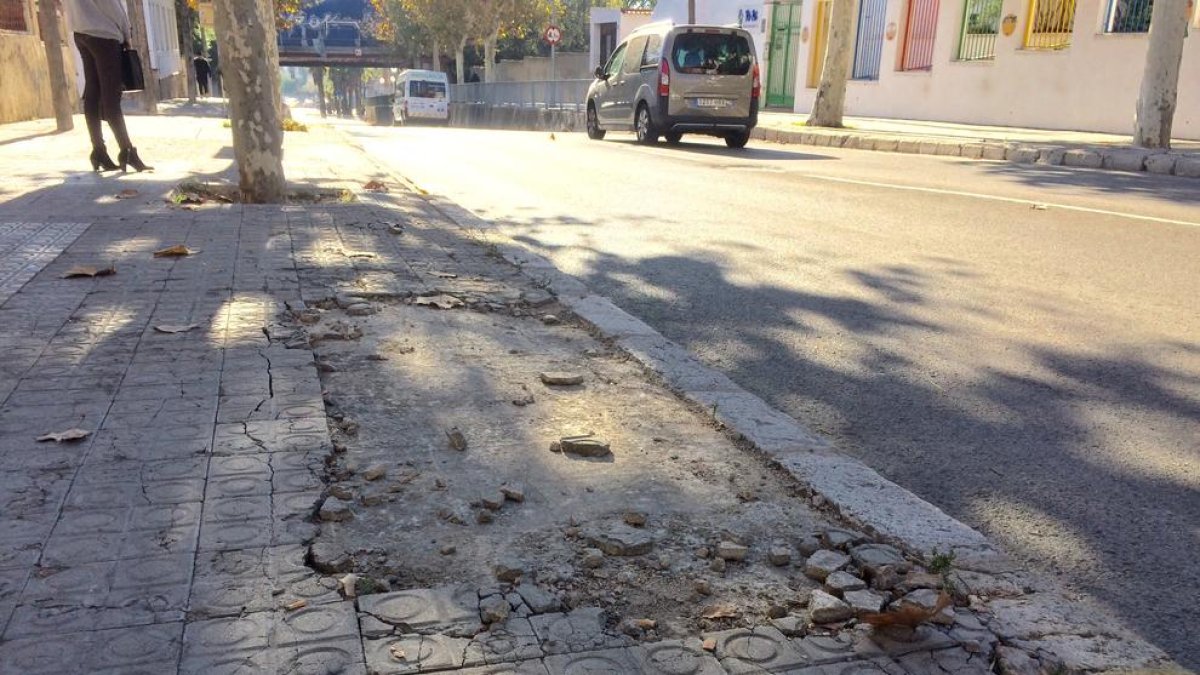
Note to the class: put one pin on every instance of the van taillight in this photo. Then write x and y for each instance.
(664, 78)
(756, 87)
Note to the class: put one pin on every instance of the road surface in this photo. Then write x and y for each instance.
(1018, 345)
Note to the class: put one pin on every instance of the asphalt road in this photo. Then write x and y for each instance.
(1018, 345)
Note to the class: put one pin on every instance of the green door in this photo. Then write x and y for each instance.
(782, 54)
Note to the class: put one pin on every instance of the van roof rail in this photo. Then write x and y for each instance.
(655, 24)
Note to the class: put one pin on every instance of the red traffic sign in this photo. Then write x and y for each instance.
(552, 35)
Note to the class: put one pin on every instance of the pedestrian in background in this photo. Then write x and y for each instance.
(203, 71)
(102, 31)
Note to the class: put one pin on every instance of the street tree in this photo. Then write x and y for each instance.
(250, 61)
(497, 18)
(1160, 79)
(830, 102)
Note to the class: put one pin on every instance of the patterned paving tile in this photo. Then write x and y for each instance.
(25, 248)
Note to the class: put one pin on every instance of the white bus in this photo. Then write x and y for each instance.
(422, 96)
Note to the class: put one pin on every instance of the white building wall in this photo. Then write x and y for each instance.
(1091, 86)
(720, 13)
(627, 22)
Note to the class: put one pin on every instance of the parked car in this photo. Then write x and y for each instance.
(668, 80)
(421, 96)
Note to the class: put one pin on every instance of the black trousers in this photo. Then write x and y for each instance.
(102, 88)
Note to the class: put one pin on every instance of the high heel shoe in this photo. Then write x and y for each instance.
(101, 161)
(128, 157)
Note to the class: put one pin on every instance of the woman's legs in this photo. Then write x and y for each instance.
(105, 56)
(91, 93)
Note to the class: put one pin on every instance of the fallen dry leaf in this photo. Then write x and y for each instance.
(721, 612)
(375, 186)
(907, 615)
(445, 275)
(176, 251)
(298, 604)
(127, 194)
(173, 328)
(397, 653)
(64, 436)
(709, 645)
(440, 301)
(89, 271)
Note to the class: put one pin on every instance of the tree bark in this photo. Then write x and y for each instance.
(830, 103)
(318, 75)
(250, 60)
(1160, 79)
(186, 23)
(489, 56)
(437, 56)
(460, 60)
(60, 86)
(141, 42)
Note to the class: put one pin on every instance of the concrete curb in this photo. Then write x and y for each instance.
(1132, 160)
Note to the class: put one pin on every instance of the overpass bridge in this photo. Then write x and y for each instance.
(332, 42)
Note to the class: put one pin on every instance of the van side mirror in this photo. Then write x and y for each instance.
(600, 73)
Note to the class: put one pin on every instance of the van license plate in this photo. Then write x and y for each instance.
(712, 103)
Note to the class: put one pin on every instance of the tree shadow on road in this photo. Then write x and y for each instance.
(1081, 457)
(1173, 188)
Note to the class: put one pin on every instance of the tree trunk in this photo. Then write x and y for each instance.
(187, 22)
(318, 75)
(437, 56)
(250, 59)
(141, 42)
(60, 86)
(460, 60)
(489, 56)
(830, 103)
(1160, 79)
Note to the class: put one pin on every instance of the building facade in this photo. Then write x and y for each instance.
(24, 74)
(1054, 64)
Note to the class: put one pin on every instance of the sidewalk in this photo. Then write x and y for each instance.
(1012, 144)
(322, 443)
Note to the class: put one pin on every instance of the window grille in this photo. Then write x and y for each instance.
(1050, 24)
(1128, 16)
(981, 23)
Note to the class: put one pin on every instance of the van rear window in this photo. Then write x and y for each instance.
(719, 53)
(423, 89)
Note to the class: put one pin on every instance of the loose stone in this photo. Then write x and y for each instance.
(823, 563)
(592, 558)
(513, 493)
(717, 565)
(728, 550)
(494, 609)
(561, 379)
(702, 586)
(550, 320)
(864, 602)
(449, 549)
(776, 612)
(824, 608)
(374, 472)
(809, 545)
(886, 578)
(840, 538)
(621, 540)
(508, 570)
(335, 510)
(635, 519)
(483, 517)
(872, 557)
(493, 502)
(582, 446)
(779, 556)
(840, 582)
(328, 558)
(926, 599)
(360, 309)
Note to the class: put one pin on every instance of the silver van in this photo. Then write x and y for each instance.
(668, 80)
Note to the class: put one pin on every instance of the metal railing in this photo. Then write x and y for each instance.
(981, 23)
(544, 94)
(1050, 24)
(1128, 16)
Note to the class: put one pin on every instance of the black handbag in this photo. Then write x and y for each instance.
(132, 76)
